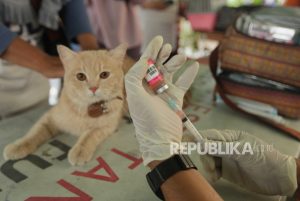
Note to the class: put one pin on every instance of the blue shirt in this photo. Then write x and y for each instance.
(74, 18)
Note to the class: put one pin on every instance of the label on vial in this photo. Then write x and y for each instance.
(152, 73)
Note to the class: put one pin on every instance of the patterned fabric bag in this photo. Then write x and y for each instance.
(260, 71)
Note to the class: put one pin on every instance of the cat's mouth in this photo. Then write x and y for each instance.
(102, 96)
(95, 98)
(108, 99)
(96, 95)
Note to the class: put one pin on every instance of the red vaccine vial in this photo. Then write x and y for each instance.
(155, 79)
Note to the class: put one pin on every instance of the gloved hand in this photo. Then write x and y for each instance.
(267, 171)
(156, 125)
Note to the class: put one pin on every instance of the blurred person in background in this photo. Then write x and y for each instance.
(24, 66)
(160, 22)
(117, 21)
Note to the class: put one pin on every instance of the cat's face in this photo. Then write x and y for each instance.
(91, 76)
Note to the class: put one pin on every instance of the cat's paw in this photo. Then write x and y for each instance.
(16, 151)
(79, 155)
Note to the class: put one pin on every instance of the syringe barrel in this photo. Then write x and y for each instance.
(185, 120)
(190, 126)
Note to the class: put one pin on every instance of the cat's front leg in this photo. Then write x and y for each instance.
(43, 130)
(84, 149)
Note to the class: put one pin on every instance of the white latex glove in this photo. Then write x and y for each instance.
(156, 125)
(268, 172)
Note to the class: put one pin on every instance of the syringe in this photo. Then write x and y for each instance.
(177, 109)
(156, 82)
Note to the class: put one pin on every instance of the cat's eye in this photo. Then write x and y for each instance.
(81, 76)
(104, 75)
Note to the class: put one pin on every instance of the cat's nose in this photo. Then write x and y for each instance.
(93, 89)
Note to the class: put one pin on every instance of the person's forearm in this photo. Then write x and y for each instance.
(23, 54)
(154, 4)
(188, 185)
(87, 41)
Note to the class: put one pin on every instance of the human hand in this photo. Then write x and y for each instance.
(25, 55)
(266, 171)
(50, 67)
(156, 125)
(87, 41)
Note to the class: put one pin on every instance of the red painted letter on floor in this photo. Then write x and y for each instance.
(92, 173)
(136, 161)
(81, 195)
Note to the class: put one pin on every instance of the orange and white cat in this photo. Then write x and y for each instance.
(90, 105)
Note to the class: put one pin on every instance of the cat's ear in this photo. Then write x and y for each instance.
(119, 52)
(65, 53)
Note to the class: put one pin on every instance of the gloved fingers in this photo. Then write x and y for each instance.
(213, 135)
(221, 135)
(153, 48)
(222, 139)
(164, 54)
(186, 79)
(230, 144)
(179, 88)
(137, 73)
(172, 66)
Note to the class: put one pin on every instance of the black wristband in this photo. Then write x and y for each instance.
(167, 169)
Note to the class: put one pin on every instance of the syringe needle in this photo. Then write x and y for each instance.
(171, 101)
